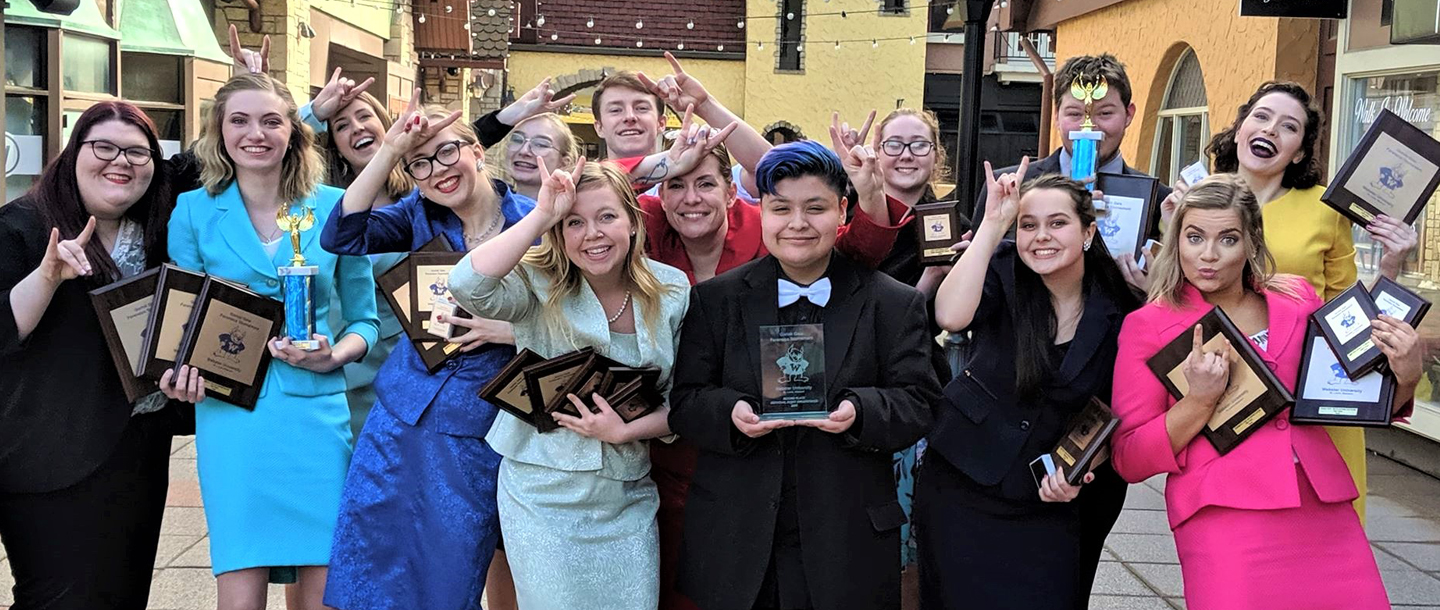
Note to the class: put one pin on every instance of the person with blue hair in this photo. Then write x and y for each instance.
(756, 470)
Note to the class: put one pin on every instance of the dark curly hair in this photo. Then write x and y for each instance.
(1303, 175)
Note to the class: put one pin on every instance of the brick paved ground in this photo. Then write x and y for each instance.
(1139, 572)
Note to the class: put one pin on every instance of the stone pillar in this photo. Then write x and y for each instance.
(402, 62)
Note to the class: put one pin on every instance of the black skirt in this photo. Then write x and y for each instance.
(980, 551)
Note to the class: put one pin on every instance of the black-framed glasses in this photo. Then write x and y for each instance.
(106, 150)
(446, 155)
(919, 148)
(539, 144)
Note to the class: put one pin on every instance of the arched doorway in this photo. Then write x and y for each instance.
(1182, 126)
(783, 132)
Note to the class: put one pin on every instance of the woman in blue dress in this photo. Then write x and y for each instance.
(271, 478)
(418, 525)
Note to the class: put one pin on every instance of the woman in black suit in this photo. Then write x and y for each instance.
(1045, 311)
(83, 471)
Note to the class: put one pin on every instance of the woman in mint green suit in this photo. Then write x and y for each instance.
(271, 478)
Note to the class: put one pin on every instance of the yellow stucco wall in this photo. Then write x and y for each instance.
(723, 78)
(368, 16)
(1236, 55)
(853, 79)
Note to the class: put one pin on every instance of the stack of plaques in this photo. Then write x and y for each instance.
(531, 387)
(417, 290)
(168, 317)
(1344, 378)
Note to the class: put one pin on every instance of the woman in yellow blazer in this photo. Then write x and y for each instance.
(1272, 145)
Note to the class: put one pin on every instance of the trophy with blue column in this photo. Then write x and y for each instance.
(1085, 143)
(297, 281)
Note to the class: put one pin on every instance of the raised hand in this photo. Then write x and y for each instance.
(557, 192)
(1398, 240)
(65, 259)
(1171, 203)
(337, 94)
(1002, 195)
(538, 100)
(247, 60)
(1208, 373)
(680, 89)
(692, 143)
(413, 128)
(851, 137)
(860, 161)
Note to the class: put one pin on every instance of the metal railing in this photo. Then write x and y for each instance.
(1008, 49)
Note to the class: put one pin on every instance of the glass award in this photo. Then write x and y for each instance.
(792, 372)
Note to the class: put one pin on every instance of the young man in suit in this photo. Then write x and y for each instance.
(1111, 114)
(800, 514)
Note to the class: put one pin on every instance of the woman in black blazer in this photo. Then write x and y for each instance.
(1045, 311)
(83, 471)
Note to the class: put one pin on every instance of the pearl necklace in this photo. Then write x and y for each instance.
(623, 306)
(471, 242)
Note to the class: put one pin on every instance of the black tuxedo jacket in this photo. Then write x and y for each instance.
(1051, 165)
(877, 350)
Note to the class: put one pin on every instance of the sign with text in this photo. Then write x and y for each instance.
(1303, 9)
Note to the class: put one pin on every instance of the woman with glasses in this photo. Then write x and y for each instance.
(543, 136)
(418, 524)
(271, 477)
(83, 471)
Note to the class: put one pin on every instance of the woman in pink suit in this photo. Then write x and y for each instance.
(1268, 525)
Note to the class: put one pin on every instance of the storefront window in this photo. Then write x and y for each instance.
(24, 57)
(24, 142)
(1415, 97)
(152, 78)
(87, 64)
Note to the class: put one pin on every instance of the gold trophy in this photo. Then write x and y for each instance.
(1085, 143)
(298, 281)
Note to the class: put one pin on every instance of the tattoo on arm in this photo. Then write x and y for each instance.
(657, 173)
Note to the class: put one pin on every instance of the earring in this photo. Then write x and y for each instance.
(479, 165)
(1087, 246)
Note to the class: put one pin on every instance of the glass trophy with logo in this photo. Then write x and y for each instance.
(297, 281)
(1085, 143)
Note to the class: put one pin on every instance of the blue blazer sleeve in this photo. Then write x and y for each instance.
(386, 229)
(355, 290)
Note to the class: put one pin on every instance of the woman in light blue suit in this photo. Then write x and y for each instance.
(577, 505)
(271, 478)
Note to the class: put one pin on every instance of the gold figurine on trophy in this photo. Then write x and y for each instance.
(1085, 142)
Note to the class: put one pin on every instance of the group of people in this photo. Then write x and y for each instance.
(365, 481)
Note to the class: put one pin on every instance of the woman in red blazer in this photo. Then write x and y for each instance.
(1269, 524)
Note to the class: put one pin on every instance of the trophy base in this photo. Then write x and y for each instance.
(796, 416)
(308, 346)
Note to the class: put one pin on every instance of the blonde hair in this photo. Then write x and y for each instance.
(300, 170)
(1219, 192)
(942, 158)
(341, 174)
(549, 258)
(569, 149)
